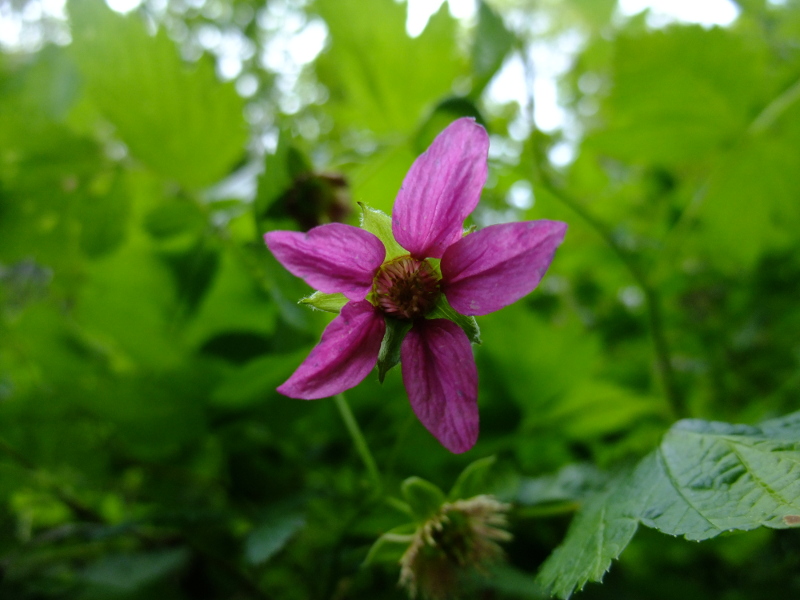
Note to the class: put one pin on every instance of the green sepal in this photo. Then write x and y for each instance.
(424, 498)
(443, 310)
(389, 354)
(472, 480)
(380, 225)
(331, 303)
(391, 545)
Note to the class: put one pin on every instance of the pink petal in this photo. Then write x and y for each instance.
(442, 187)
(496, 266)
(442, 382)
(331, 258)
(347, 352)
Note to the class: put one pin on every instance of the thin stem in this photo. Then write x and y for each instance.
(652, 301)
(773, 111)
(358, 440)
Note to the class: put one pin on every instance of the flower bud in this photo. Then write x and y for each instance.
(460, 539)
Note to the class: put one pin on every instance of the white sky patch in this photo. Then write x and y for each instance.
(419, 11)
(123, 6)
(703, 12)
(551, 58)
(29, 28)
(520, 195)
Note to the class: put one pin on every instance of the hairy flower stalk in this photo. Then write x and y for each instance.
(476, 274)
(459, 540)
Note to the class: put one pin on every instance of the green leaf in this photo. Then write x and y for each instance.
(331, 303)
(125, 573)
(389, 354)
(706, 478)
(233, 285)
(378, 77)
(447, 111)
(472, 480)
(424, 498)
(751, 196)
(389, 548)
(273, 533)
(379, 176)
(379, 224)
(255, 381)
(680, 93)
(598, 535)
(179, 120)
(443, 310)
(491, 45)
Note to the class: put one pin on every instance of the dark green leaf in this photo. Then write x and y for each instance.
(443, 310)
(389, 353)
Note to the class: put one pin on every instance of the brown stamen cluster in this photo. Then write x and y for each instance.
(406, 288)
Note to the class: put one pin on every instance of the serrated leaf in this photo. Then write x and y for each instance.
(705, 478)
(389, 354)
(180, 120)
(379, 224)
(443, 310)
(331, 303)
(472, 479)
(424, 498)
(598, 535)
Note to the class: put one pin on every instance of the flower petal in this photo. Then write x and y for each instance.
(347, 352)
(442, 187)
(442, 382)
(331, 258)
(496, 266)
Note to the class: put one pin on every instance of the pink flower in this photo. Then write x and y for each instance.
(477, 273)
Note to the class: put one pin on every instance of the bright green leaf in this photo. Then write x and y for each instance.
(331, 303)
(178, 119)
(378, 77)
(379, 224)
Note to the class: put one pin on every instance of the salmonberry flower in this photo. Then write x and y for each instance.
(410, 288)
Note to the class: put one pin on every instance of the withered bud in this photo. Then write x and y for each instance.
(460, 539)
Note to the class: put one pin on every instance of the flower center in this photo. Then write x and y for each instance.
(406, 288)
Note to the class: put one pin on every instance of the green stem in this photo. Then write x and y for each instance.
(652, 302)
(358, 440)
(775, 109)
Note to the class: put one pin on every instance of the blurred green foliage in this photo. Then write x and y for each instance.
(144, 452)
